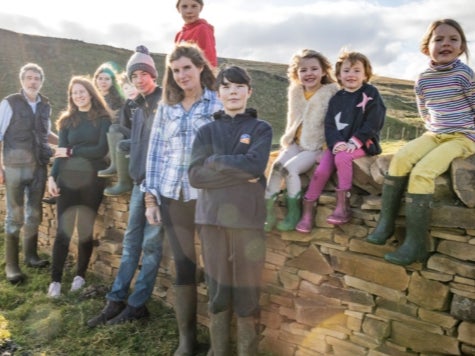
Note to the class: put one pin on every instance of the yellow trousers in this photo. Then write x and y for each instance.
(427, 157)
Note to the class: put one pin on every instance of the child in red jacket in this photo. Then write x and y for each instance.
(196, 30)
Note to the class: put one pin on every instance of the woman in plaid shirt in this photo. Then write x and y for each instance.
(189, 102)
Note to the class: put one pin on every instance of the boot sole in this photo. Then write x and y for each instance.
(42, 264)
(376, 242)
(16, 280)
(107, 194)
(397, 261)
(338, 222)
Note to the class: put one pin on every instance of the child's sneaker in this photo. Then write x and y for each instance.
(54, 290)
(78, 283)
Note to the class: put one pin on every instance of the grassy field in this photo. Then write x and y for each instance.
(62, 58)
(31, 324)
(38, 325)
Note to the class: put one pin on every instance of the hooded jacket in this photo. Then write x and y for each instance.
(201, 33)
(226, 154)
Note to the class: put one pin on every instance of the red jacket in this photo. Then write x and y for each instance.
(201, 33)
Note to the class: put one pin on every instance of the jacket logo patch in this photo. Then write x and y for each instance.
(245, 138)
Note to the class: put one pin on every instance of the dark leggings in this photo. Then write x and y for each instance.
(79, 201)
(179, 223)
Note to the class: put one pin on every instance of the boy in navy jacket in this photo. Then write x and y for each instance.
(229, 157)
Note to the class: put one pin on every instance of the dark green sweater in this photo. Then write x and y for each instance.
(88, 142)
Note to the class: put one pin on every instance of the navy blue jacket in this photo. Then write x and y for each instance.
(142, 120)
(226, 154)
(360, 114)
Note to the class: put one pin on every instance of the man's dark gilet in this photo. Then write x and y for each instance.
(26, 137)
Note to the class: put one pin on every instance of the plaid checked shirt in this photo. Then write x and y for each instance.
(169, 150)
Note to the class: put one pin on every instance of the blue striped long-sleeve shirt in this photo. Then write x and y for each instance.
(445, 98)
(169, 150)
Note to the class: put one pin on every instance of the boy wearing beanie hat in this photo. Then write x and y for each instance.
(141, 60)
(140, 236)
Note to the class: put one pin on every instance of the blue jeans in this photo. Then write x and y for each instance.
(140, 238)
(20, 183)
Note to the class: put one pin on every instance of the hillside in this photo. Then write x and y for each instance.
(62, 58)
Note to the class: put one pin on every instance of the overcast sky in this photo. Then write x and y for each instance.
(387, 31)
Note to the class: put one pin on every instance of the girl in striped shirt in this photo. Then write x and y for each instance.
(446, 102)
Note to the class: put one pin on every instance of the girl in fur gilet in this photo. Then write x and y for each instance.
(311, 87)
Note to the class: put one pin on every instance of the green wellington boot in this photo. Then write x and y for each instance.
(247, 338)
(414, 247)
(219, 330)
(12, 268)
(124, 182)
(113, 139)
(293, 214)
(185, 310)
(393, 189)
(30, 251)
(271, 217)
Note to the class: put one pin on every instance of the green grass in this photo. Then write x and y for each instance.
(391, 147)
(39, 325)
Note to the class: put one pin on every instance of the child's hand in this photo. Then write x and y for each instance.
(339, 147)
(350, 147)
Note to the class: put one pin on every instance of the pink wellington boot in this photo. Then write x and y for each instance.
(306, 222)
(342, 213)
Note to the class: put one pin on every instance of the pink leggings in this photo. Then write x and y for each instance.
(343, 162)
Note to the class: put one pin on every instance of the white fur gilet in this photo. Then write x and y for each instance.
(310, 113)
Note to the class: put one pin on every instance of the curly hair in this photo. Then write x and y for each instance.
(354, 57)
(292, 71)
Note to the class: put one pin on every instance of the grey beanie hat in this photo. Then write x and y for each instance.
(141, 60)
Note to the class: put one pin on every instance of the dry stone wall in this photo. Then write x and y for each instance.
(330, 292)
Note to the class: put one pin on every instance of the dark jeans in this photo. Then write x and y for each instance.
(179, 223)
(77, 206)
